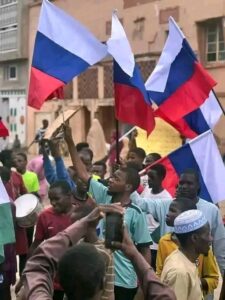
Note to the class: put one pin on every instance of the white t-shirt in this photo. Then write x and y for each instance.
(164, 195)
(152, 223)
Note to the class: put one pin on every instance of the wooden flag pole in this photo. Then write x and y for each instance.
(117, 143)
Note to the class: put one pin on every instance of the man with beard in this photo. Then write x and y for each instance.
(122, 183)
(180, 270)
(208, 270)
(189, 187)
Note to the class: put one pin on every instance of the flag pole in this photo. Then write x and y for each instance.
(218, 102)
(117, 143)
(127, 133)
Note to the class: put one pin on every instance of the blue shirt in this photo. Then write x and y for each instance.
(125, 275)
(59, 173)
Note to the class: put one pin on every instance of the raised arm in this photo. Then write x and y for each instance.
(49, 171)
(61, 171)
(77, 163)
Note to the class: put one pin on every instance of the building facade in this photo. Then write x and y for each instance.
(146, 25)
(14, 66)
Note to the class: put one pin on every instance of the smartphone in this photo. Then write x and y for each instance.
(113, 229)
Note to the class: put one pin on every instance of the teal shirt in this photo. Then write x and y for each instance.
(125, 275)
(2, 254)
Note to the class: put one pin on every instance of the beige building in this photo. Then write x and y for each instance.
(146, 25)
(13, 66)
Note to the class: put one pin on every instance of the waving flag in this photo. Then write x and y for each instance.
(199, 120)
(3, 130)
(202, 155)
(7, 235)
(130, 93)
(178, 84)
(63, 49)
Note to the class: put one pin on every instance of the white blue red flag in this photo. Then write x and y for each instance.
(178, 84)
(198, 121)
(63, 49)
(130, 94)
(202, 155)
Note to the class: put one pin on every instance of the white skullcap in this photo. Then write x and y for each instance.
(189, 221)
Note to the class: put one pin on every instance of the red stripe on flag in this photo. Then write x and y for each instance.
(188, 96)
(171, 180)
(41, 87)
(180, 125)
(131, 108)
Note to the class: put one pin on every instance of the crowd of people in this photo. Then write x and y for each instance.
(172, 247)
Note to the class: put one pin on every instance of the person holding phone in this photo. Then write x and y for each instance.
(121, 184)
(74, 260)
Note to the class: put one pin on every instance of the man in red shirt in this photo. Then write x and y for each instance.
(54, 220)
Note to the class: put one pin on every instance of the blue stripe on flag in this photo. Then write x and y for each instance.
(136, 81)
(196, 121)
(56, 61)
(181, 71)
(183, 159)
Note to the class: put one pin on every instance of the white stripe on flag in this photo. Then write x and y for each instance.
(4, 198)
(207, 155)
(119, 47)
(211, 110)
(158, 79)
(68, 33)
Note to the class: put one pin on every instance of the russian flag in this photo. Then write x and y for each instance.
(63, 49)
(178, 84)
(197, 121)
(202, 155)
(130, 94)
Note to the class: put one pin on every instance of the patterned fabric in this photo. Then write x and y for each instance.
(189, 221)
(108, 291)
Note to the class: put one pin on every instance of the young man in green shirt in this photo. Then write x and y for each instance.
(122, 183)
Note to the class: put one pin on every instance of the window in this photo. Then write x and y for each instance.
(108, 26)
(8, 25)
(139, 26)
(10, 72)
(215, 46)
(5, 2)
(8, 39)
(8, 15)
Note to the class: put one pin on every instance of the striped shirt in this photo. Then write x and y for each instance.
(108, 290)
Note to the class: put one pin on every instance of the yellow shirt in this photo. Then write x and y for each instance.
(207, 268)
(181, 275)
(31, 182)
